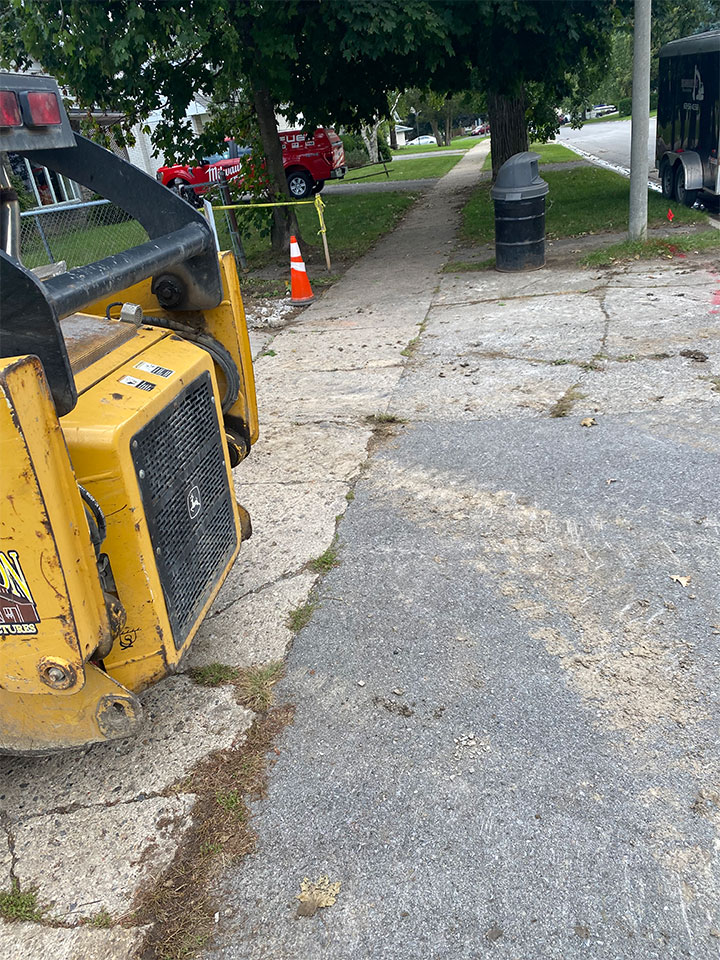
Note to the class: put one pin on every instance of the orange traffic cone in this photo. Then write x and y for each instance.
(300, 290)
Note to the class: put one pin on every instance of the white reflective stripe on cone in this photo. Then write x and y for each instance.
(298, 266)
(295, 250)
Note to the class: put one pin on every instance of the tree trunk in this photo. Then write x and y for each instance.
(393, 136)
(436, 132)
(369, 134)
(448, 124)
(508, 128)
(284, 220)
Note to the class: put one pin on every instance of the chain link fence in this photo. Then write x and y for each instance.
(78, 233)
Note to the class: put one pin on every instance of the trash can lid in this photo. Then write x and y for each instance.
(518, 179)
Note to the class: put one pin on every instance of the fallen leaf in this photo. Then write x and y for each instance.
(494, 933)
(588, 422)
(683, 581)
(316, 894)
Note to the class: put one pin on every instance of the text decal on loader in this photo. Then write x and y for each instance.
(18, 613)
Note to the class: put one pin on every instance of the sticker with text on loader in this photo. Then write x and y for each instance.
(140, 384)
(152, 368)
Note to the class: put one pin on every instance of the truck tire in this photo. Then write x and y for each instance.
(686, 197)
(300, 184)
(667, 180)
(317, 186)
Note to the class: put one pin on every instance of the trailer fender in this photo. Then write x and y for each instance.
(693, 167)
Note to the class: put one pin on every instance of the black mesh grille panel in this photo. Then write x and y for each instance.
(181, 471)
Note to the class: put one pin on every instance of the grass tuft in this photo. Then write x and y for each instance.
(563, 406)
(101, 919)
(300, 616)
(326, 561)
(16, 904)
(384, 418)
(214, 674)
(254, 685)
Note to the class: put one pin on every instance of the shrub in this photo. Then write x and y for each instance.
(625, 106)
(383, 148)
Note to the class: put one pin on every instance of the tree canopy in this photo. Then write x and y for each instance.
(322, 59)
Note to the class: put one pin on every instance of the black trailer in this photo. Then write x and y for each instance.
(688, 118)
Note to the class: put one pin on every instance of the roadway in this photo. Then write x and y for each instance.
(610, 142)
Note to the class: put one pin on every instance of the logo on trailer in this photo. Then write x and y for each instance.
(194, 503)
(18, 613)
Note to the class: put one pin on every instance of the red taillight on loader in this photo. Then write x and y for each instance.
(43, 108)
(9, 110)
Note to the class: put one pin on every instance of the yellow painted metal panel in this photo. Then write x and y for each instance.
(52, 610)
(99, 433)
(101, 710)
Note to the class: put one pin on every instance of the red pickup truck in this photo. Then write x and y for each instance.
(309, 160)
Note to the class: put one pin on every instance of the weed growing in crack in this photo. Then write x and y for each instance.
(300, 616)
(589, 366)
(627, 358)
(16, 904)
(254, 685)
(326, 561)
(384, 418)
(560, 363)
(177, 906)
(232, 801)
(563, 406)
(350, 496)
(214, 674)
(101, 919)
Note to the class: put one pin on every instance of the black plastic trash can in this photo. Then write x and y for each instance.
(519, 195)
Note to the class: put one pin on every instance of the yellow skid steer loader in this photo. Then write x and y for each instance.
(127, 398)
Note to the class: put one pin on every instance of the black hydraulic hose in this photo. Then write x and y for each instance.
(221, 356)
(94, 510)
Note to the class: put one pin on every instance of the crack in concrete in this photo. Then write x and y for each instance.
(255, 591)
(6, 827)
(523, 296)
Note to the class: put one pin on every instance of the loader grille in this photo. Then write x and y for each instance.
(183, 481)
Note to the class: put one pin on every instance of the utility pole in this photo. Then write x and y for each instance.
(640, 120)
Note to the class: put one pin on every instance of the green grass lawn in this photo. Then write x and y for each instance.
(580, 201)
(354, 223)
(549, 153)
(78, 246)
(667, 247)
(459, 143)
(422, 169)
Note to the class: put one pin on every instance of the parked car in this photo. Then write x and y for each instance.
(601, 110)
(480, 130)
(419, 141)
(309, 160)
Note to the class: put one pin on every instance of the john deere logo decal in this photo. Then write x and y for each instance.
(18, 613)
(194, 503)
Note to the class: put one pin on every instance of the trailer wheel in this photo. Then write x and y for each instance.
(667, 180)
(686, 197)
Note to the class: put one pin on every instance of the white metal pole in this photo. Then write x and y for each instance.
(640, 120)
